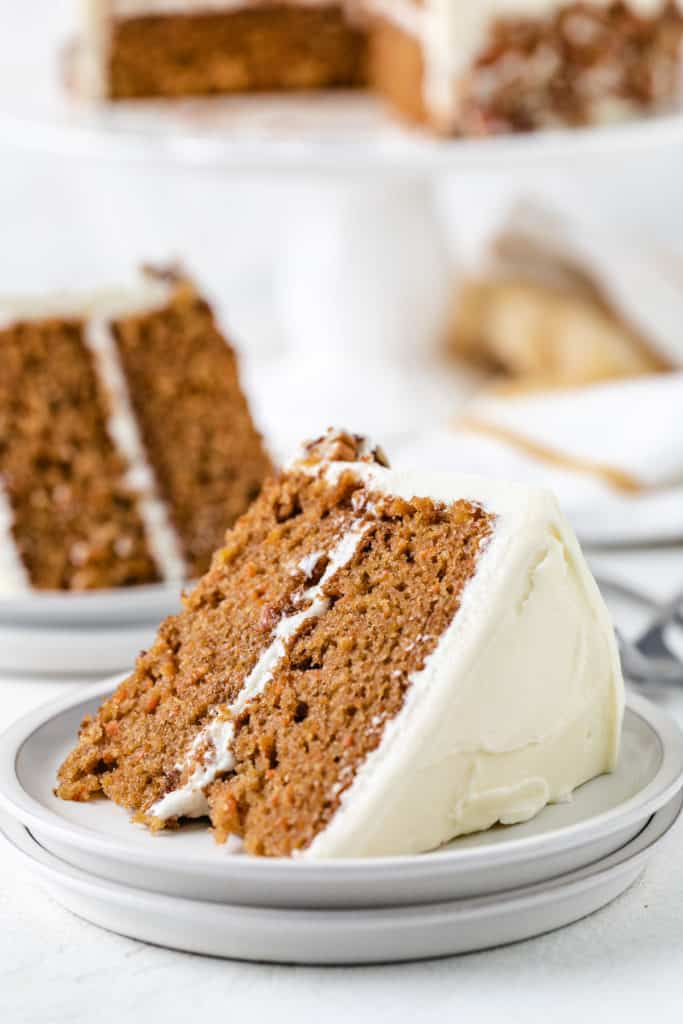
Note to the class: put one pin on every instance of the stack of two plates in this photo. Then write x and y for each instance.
(182, 890)
(53, 633)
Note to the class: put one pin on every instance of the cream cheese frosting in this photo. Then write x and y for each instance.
(520, 702)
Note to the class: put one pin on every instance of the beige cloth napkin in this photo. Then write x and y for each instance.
(612, 453)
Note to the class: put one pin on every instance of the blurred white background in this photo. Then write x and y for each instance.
(68, 223)
(72, 224)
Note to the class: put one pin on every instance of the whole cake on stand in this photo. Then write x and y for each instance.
(455, 66)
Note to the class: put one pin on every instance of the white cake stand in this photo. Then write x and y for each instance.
(366, 278)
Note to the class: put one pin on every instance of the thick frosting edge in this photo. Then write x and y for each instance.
(460, 735)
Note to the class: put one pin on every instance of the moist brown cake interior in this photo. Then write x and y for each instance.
(208, 459)
(76, 525)
(344, 675)
(276, 47)
(202, 656)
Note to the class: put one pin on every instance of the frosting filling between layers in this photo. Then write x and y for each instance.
(124, 432)
(211, 750)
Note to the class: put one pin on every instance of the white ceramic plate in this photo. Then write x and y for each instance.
(331, 131)
(123, 606)
(60, 651)
(99, 837)
(342, 936)
(94, 633)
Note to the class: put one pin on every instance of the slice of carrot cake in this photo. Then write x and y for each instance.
(126, 444)
(376, 662)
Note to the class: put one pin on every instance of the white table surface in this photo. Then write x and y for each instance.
(624, 963)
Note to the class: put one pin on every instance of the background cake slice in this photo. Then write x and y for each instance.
(479, 68)
(376, 662)
(126, 444)
(143, 48)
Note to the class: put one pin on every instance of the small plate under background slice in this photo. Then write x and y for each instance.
(50, 633)
(58, 651)
(342, 936)
(99, 838)
(120, 606)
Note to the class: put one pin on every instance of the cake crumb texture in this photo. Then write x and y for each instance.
(209, 460)
(76, 524)
(276, 47)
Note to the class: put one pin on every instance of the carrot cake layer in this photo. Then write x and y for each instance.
(146, 48)
(517, 65)
(126, 445)
(375, 663)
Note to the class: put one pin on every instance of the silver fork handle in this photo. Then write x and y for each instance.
(645, 668)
